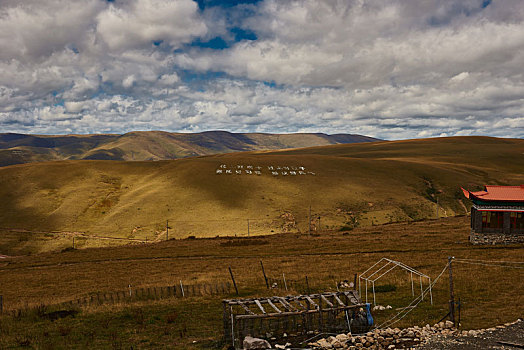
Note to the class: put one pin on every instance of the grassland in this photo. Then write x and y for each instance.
(45, 204)
(490, 295)
(374, 200)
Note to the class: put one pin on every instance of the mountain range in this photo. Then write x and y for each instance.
(154, 145)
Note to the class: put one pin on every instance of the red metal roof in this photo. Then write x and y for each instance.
(498, 193)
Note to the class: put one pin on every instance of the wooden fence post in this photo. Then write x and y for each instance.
(225, 320)
(264, 273)
(307, 286)
(233, 278)
(451, 294)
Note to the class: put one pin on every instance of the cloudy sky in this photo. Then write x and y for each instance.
(391, 69)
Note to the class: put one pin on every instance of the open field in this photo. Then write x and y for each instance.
(354, 185)
(490, 295)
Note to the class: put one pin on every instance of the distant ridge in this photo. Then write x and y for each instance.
(154, 145)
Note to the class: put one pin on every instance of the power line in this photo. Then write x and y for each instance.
(491, 261)
(493, 265)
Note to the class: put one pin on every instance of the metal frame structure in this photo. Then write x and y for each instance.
(370, 276)
(299, 315)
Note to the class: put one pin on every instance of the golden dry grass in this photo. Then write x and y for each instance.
(355, 185)
(325, 259)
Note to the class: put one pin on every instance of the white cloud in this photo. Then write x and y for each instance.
(74, 107)
(137, 24)
(403, 68)
(128, 81)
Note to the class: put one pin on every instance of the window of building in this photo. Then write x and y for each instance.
(492, 219)
(517, 220)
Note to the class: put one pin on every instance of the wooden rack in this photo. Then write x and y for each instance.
(275, 318)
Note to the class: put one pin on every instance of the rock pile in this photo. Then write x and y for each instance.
(388, 338)
(395, 338)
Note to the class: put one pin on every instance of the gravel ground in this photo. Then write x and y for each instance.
(488, 340)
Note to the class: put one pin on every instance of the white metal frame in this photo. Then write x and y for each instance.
(369, 276)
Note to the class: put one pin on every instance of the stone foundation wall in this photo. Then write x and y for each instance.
(495, 238)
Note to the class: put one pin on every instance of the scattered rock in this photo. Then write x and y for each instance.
(255, 343)
(395, 338)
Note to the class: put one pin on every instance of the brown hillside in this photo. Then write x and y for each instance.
(354, 185)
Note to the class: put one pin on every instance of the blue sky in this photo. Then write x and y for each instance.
(389, 69)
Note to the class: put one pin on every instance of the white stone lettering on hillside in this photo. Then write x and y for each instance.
(274, 170)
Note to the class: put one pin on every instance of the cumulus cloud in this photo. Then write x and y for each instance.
(396, 69)
(139, 23)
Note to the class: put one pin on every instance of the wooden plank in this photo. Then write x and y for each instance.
(273, 306)
(260, 306)
(283, 314)
(300, 304)
(325, 300)
(311, 301)
(246, 308)
(287, 305)
(352, 297)
(338, 300)
(515, 345)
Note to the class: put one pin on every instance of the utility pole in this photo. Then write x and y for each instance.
(451, 294)
(248, 227)
(318, 231)
(167, 230)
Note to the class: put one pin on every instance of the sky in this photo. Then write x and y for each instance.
(393, 69)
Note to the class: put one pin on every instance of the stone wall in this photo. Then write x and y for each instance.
(495, 238)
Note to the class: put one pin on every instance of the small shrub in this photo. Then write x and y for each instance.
(55, 315)
(138, 316)
(243, 242)
(64, 330)
(41, 310)
(171, 317)
(24, 342)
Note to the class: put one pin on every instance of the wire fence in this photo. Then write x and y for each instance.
(131, 294)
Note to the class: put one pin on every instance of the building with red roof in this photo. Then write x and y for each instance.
(497, 210)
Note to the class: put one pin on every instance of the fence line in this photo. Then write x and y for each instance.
(282, 282)
(136, 294)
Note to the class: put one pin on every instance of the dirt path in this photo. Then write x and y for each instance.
(511, 337)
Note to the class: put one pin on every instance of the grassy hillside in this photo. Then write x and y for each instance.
(196, 323)
(354, 185)
(152, 145)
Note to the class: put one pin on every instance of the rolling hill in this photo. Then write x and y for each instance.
(153, 145)
(346, 186)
